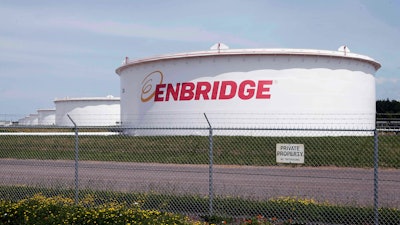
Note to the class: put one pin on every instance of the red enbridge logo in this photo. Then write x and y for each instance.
(153, 88)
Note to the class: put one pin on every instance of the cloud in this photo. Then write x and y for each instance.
(137, 30)
(388, 87)
(28, 23)
(61, 48)
(41, 45)
(50, 25)
(386, 80)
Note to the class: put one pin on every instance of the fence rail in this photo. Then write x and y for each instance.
(346, 176)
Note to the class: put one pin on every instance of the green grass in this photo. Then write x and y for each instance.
(232, 209)
(343, 151)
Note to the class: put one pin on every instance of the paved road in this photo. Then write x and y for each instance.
(335, 185)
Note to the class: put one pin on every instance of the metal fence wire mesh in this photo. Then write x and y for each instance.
(211, 171)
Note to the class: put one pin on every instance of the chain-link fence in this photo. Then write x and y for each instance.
(306, 176)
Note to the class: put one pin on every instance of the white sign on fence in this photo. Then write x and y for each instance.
(290, 153)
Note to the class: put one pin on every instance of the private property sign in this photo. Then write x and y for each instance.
(289, 153)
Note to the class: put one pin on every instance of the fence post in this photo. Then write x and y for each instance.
(376, 168)
(76, 160)
(210, 170)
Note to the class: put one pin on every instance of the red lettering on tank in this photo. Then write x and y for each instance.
(202, 89)
(246, 89)
(172, 92)
(228, 89)
(158, 93)
(217, 90)
(263, 89)
(187, 91)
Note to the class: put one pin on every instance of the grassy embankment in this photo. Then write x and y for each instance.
(259, 151)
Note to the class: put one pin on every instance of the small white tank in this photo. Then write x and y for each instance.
(46, 117)
(32, 120)
(91, 111)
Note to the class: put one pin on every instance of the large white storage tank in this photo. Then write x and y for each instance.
(92, 111)
(46, 117)
(250, 88)
(32, 119)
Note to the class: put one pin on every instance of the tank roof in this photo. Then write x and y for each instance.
(261, 51)
(46, 110)
(107, 98)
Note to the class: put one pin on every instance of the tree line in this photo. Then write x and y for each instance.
(387, 106)
(389, 111)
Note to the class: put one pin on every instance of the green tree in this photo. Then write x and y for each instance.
(387, 106)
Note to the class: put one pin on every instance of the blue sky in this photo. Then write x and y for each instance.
(54, 49)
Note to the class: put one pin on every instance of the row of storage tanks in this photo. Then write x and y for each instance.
(87, 111)
(234, 87)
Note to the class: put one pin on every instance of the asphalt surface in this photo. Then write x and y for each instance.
(336, 185)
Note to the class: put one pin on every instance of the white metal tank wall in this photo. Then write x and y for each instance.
(22, 121)
(295, 89)
(88, 111)
(46, 117)
(32, 120)
(26, 121)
